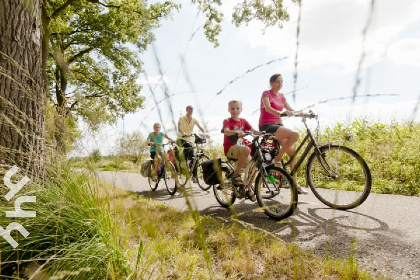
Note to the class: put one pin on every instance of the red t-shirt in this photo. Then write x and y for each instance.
(240, 124)
(277, 102)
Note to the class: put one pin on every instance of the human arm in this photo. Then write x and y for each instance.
(199, 127)
(169, 138)
(149, 141)
(180, 127)
(230, 132)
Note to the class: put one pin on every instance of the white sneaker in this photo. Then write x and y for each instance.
(301, 190)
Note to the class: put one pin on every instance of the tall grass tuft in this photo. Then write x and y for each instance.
(73, 234)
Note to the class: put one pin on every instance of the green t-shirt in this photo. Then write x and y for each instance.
(156, 139)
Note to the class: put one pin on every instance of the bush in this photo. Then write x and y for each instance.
(95, 156)
(391, 152)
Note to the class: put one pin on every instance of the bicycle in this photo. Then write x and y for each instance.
(165, 171)
(192, 168)
(337, 175)
(274, 187)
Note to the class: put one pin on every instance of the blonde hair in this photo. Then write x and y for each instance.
(235, 101)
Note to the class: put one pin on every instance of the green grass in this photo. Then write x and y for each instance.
(73, 232)
(86, 229)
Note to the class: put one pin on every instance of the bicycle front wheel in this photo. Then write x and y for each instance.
(276, 193)
(153, 185)
(223, 192)
(200, 174)
(339, 177)
(171, 178)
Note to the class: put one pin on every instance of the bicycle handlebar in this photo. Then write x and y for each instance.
(310, 114)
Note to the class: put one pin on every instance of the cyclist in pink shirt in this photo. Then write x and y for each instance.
(272, 104)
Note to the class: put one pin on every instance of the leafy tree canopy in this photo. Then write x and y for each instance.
(94, 47)
(270, 13)
(93, 61)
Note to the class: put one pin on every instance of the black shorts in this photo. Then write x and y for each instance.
(270, 128)
(154, 153)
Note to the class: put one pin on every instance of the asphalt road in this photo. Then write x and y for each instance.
(383, 234)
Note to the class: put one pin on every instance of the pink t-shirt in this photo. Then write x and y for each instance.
(277, 102)
(240, 124)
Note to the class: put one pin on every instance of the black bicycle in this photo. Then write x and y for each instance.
(337, 175)
(191, 168)
(273, 186)
(166, 172)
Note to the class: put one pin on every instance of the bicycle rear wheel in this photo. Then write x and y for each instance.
(170, 177)
(200, 174)
(276, 193)
(339, 177)
(182, 172)
(223, 192)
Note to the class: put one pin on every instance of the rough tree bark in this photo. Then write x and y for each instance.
(22, 87)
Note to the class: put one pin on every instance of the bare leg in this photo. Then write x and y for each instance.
(290, 153)
(158, 160)
(287, 138)
(242, 158)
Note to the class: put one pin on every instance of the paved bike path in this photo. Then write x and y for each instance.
(383, 234)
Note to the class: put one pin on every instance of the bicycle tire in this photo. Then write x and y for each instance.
(170, 177)
(182, 173)
(283, 197)
(350, 182)
(200, 174)
(153, 185)
(223, 192)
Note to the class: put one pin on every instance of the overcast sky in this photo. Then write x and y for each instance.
(331, 46)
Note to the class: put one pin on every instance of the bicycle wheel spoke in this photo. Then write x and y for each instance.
(170, 178)
(199, 173)
(276, 194)
(346, 182)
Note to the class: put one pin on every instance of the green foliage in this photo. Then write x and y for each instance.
(269, 14)
(133, 145)
(94, 52)
(95, 155)
(244, 12)
(391, 152)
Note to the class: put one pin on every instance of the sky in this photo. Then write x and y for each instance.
(339, 43)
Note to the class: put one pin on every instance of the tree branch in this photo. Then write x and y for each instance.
(62, 8)
(80, 54)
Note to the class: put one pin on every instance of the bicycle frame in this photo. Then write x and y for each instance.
(311, 144)
(255, 165)
(198, 152)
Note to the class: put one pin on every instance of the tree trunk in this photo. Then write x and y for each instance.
(22, 95)
(61, 109)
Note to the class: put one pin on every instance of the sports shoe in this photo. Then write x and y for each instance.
(250, 195)
(301, 190)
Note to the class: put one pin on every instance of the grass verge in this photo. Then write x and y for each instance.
(85, 229)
